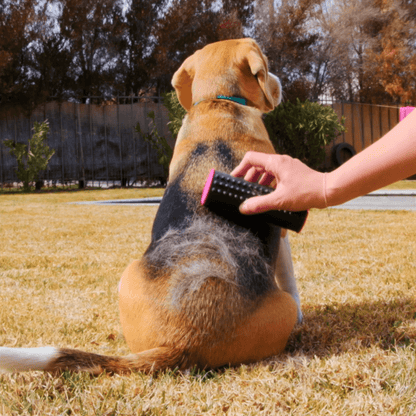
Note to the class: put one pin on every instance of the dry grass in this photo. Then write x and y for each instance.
(355, 353)
(409, 184)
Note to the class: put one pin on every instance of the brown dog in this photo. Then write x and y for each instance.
(208, 292)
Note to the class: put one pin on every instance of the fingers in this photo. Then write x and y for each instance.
(266, 179)
(258, 204)
(253, 174)
(297, 187)
(250, 160)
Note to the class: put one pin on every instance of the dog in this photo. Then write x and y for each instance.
(208, 292)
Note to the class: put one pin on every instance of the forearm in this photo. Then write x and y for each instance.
(390, 159)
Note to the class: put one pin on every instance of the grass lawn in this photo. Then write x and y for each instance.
(355, 353)
(402, 185)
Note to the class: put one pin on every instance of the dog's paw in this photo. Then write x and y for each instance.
(296, 297)
(300, 316)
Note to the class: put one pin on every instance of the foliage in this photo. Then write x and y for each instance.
(18, 29)
(393, 62)
(91, 30)
(176, 112)
(33, 158)
(189, 25)
(289, 44)
(302, 130)
(136, 66)
(158, 142)
(353, 50)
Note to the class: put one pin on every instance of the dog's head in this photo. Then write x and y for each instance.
(232, 68)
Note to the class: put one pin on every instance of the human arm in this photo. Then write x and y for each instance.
(298, 187)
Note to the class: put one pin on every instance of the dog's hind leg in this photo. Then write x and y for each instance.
(143, 307)
(261, 335)
(285, 275)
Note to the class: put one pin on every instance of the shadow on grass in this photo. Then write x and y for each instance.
(338, 328)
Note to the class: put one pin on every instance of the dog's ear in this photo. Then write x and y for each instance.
(182, 82)
(269, 85)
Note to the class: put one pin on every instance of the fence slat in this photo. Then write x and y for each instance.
(367, 125)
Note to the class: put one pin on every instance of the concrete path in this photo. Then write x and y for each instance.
(378, 200)
(383, 200)
(142, 201)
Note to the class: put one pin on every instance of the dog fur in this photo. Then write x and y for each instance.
(207, 292)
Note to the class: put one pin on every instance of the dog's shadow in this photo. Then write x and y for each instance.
(338, 328)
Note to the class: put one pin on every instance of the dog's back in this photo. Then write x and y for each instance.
(218, 270)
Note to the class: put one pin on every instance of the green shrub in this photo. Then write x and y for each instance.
(176, 112)
(158, 142)
(33, 158)
(302, 130)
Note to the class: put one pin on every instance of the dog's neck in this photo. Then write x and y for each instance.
(237, 100)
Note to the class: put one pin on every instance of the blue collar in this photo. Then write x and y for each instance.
(237, 100)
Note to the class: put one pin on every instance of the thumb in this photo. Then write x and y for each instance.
(258, 204)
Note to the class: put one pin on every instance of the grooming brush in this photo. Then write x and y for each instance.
(224, 193)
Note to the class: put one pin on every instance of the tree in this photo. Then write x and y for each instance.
(136, 64)
(18, 30)
(288, 43)
(51, 62)
(348, 32)
(188, 25)
(90, 28)
(393, 61)
(367, 41)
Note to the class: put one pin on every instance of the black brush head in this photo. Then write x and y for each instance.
(223, 194)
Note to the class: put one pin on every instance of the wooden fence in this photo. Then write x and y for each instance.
(92, 142)
(98, 143)
(365, 124)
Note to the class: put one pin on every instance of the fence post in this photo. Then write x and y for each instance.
(106, 142)
(134, 140)
(62, 145)
(82, 179)
(91, 143)
(1, 163)
(122, 180)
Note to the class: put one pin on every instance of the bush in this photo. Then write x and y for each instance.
(158, 142)
(33, 158)
(302, 130)
(176, 112)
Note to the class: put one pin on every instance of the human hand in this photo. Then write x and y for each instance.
(297, 187)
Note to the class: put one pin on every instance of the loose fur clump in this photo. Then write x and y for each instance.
(209, 257)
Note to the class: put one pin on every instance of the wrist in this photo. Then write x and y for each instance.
(316, 191)
(332, 191)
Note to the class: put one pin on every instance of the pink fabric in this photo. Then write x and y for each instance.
(405, 111)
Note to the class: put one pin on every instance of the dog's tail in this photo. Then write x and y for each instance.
(60, 359)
